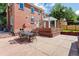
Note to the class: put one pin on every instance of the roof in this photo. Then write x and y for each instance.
(49, 19)
(35, 6)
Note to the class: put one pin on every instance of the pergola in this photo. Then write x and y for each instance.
(49, 19)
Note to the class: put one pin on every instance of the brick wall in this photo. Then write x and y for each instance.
(24, 17)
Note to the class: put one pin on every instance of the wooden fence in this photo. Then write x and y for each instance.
(70, 27)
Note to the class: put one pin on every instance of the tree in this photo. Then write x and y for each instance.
(78, 18)
(70, 14)
(59, 11)
(3, 7)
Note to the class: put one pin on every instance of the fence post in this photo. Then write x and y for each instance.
(75, 27)
(66, 27)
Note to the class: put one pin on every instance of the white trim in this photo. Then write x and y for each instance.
(55, 23)
(44, 24)
(38, 24)
(49, 24)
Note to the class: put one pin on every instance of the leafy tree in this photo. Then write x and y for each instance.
(70, 14)
(3, 7)
(59, 11)
(78, 18)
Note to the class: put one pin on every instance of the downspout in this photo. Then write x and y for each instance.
(13, 14)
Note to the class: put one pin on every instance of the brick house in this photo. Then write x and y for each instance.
(24, 14)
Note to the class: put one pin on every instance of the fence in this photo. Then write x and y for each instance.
(70, 27)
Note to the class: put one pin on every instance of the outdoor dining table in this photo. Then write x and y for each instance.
(29, 34)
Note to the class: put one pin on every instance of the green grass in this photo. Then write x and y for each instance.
(70, 31)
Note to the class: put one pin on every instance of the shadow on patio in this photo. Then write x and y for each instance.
(73, 50)
(19, 41)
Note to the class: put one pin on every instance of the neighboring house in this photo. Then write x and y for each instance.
(23, 14)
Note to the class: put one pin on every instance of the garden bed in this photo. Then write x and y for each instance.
(70, 32)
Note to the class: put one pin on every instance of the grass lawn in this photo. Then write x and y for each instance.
(70, 31)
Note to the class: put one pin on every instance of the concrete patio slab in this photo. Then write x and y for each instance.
(42, 46)
(61, 52)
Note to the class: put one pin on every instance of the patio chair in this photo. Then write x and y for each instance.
(34, 35)
(21, 34)
(12, 33)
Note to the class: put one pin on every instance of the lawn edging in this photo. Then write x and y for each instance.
(70, 33)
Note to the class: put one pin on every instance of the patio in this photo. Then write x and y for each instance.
(4, 34)
(60, 45)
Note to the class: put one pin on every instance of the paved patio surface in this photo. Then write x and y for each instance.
(4, 34)
(61, 45)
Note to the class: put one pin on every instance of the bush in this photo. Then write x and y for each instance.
(73, 23)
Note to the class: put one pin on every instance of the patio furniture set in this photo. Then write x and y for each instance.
(27, 35)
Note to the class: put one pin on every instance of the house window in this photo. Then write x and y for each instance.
(39, 11)
(44, 16)
(38, 23)
(21, 6)
(32, 10)
(32, 20)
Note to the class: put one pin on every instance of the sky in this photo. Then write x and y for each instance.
(47, 6)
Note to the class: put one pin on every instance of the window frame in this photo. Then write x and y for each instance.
(32, 10)
(32, 19)
(38, 12)
(20, 6)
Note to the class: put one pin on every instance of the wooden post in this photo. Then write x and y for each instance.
(55, 23)
(49, 24)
